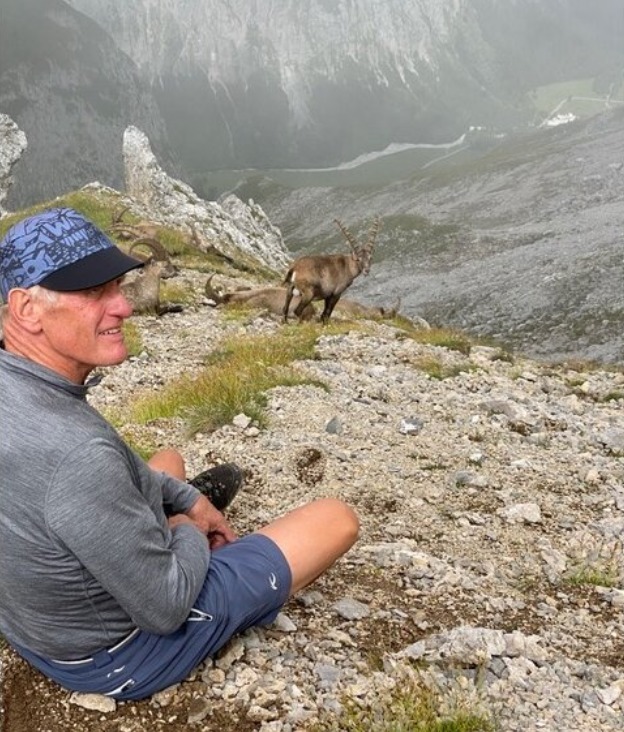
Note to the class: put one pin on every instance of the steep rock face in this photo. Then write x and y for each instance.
(12, 144)
(247, 84)
(72, 91)
(229, 227)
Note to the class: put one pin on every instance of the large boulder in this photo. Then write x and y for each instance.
(229, 226)
(12, 144)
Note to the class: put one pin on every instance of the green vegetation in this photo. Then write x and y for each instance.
(235, 379)
(174, 292)
(132, 338)
(598, 576)
(579, 97)
(449, 338)
(410, 707)
(435, 367)
(142, 446)
(99, 207)
(612, 396)
(602, 571)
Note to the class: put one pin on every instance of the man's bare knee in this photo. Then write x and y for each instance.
(168, 461)
(344, 518)
(312, 537)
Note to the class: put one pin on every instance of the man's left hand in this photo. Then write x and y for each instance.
(211, 522)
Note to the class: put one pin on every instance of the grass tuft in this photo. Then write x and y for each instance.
(597, 576)
(234, 380)
(449, 338)
(132, 338)
(435, 367)
(410, 707)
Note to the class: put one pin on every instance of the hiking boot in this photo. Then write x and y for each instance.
(219, 484)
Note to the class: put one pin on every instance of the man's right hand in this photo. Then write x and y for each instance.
(208, 520)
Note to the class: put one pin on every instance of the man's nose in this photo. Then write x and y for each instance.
(120, 304)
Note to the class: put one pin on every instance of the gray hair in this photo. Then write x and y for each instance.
(43, 294)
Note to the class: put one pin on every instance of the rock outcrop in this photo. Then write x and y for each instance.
(229, 226)
(12, 144)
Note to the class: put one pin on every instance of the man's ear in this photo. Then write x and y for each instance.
(25, 309)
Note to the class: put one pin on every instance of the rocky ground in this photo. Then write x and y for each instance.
(490, 557)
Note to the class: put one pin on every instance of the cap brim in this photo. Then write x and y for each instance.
(91, 271)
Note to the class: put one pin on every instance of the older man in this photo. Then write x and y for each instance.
(116, 576)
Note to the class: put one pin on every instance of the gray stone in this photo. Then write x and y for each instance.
(229, 226)
(351, 609)
(12, 145)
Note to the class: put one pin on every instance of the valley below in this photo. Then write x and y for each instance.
(518, 240)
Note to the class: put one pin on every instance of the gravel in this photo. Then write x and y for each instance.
(490, 559)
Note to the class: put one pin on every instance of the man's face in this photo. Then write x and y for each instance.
(82, 329)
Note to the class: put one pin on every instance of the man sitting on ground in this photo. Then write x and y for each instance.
(117, 576)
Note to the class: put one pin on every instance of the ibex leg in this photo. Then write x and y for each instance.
(303, 304)
(330, 304)
(289, 295)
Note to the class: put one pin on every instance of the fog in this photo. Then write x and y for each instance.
(243, 86)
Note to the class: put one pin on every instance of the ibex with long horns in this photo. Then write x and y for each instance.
(327, 276)
(140, 230)
(144, 290)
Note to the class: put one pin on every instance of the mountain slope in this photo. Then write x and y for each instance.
(523, 243)
(69, 88)
(285, 83)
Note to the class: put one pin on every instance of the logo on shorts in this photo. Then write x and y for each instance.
(273, 581)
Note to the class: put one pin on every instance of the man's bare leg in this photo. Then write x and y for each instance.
(170, 462)
(313, 537)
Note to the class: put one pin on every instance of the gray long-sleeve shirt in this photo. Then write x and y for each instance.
(86, 553)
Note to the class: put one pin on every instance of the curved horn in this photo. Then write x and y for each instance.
(347, 235)
(211, 293)
(118, 213)
(158, 250)
(374, 230)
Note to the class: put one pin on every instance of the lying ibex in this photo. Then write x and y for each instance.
(327, 276)
(143, 291)
(271, 299)
(157, 252)
(142, 229)
(353, 308)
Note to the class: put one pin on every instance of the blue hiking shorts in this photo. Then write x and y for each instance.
(247, 583)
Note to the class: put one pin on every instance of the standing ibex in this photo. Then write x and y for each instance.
(327, 276)
(273, 299)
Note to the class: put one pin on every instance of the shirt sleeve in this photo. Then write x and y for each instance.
(95, 507)
(177, 495)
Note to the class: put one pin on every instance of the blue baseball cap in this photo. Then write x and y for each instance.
(61, 250)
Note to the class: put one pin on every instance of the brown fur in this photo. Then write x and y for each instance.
(271, 299)
(327, 276)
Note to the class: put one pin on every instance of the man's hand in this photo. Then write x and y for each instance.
(209, 521)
